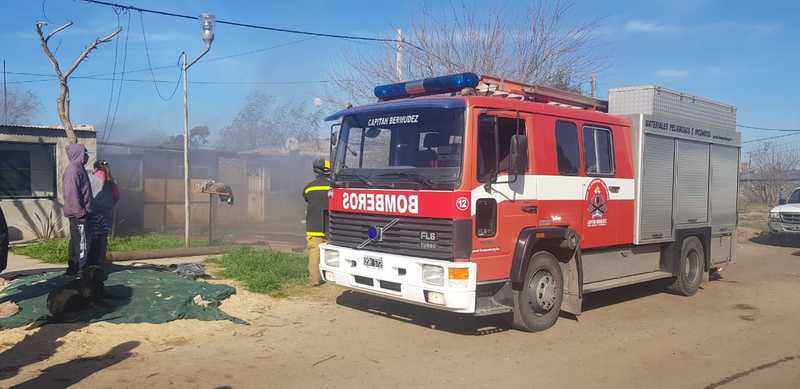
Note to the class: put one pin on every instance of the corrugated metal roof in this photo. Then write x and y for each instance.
(79, 127)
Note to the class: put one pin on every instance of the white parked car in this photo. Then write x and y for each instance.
(784, 220)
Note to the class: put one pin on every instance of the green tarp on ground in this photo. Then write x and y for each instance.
(134, 296)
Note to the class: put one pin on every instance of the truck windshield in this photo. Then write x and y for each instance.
(795, 197)
(419, 148)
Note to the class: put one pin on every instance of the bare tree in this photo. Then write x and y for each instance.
(62, 102)
(771, 173)
(537, 46)
(22, 106)
(263, 122)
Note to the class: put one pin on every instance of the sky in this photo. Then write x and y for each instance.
(742, 53)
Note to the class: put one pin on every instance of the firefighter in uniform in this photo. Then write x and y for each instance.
(316, 196)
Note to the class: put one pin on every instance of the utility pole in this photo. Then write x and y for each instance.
(399, 58)
(5, 95)
(207, 24)
(187, 208)
(594, 85)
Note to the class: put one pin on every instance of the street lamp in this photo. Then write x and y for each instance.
(207, 26)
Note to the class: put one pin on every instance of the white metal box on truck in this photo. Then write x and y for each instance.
(686, 159)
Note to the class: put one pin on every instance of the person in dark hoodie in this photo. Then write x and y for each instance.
(105, 194)
(77, 192)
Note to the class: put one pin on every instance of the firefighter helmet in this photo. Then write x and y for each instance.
(322, 166)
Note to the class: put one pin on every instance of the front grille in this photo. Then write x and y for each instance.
(403, 238)
(791, 218)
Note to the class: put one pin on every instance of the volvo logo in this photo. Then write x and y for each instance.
(375, 233)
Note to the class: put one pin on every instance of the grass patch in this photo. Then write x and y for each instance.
(753, 215)
(264, 271)
(150, 242)
(49, 251)
(57, 250)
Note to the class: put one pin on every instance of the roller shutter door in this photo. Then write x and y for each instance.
(655, 221)
(723, 190)
(691, 183)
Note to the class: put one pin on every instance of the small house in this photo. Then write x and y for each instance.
(32, 159)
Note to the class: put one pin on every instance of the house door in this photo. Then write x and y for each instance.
(256, 187)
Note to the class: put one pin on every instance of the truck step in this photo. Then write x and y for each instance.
(492, 310)
(617, 282)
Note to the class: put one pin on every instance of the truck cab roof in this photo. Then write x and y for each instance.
(489, 102)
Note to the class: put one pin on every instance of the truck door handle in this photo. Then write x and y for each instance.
(530, 208)
(613, 189)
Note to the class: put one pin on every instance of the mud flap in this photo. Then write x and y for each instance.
(573, 298)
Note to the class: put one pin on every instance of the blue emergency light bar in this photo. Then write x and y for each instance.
(427, 86)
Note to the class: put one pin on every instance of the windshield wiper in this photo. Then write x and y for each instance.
(410, 174)
(356, 176)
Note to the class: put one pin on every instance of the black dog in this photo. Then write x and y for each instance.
(78, 294)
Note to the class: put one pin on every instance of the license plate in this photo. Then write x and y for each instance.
(373, 262)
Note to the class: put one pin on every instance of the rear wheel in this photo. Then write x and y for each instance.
(537, 305)
(689, 274)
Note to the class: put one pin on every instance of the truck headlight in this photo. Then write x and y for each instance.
(332, 258)
(433, 275)
(774, 216)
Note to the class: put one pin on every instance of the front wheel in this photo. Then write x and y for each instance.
(537, 305)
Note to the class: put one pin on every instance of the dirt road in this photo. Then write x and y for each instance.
(739, 332)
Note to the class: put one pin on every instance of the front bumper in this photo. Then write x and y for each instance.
(784, 228)
(400, 278)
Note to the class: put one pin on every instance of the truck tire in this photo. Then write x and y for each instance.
(537, 305)
(689, 272)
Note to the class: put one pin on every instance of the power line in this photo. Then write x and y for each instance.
(221, 83)
(51, 77)
(44, 13)
(766, 128)
(247, 25)
(771, 137)
(255, 51)
(113, 80)
(204, 60)
(107, 135)
(150, 66)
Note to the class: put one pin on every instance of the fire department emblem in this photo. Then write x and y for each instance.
(597, 204)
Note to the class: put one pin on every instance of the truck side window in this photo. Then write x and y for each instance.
(487, 159)
(507, 127)
(493, 158)
(598, 151)
(567, 148)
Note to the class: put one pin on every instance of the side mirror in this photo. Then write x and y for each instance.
(518, 155)
(335, 133)
(334, 138)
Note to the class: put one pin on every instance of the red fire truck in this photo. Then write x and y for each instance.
(483, 196)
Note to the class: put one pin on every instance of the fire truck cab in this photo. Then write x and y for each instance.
(483, 196)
